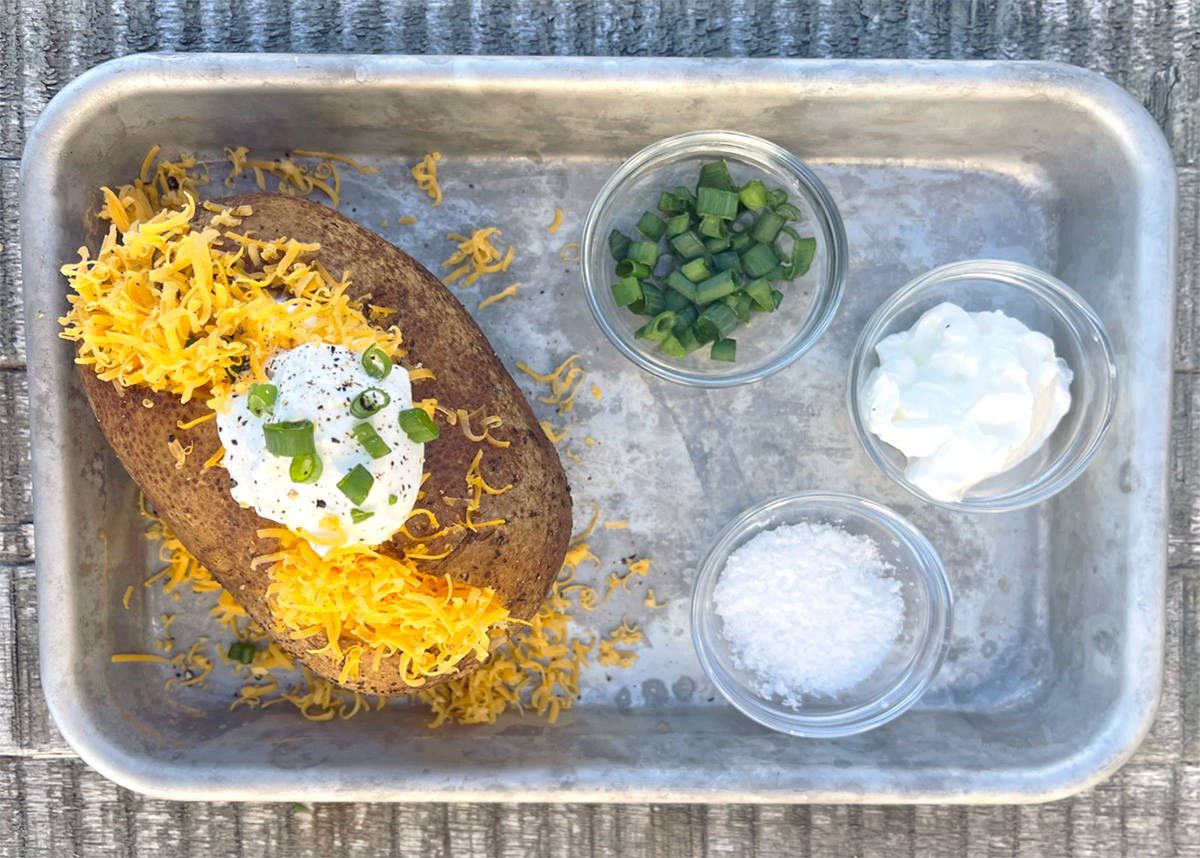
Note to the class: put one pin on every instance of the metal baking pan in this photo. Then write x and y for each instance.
(1056, 663)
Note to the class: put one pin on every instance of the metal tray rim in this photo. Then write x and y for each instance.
(1077, 769)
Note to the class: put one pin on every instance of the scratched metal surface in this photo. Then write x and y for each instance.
(52, 805)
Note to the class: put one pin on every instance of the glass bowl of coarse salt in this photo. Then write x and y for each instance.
(821, 614)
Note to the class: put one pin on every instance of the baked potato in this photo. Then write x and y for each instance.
(518, 560)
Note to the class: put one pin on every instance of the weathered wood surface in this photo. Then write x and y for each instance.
(52, 805)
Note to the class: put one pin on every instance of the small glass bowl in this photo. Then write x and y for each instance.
(1043, 303)
(773, 340)
(916, 655)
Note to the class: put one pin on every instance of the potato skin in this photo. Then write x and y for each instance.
(520, 559)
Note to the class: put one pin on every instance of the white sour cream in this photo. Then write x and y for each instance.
(318, 382)
(965, 396)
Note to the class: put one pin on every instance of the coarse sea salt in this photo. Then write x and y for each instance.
(808, 609)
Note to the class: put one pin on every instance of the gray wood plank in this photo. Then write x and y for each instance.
(12, 322)
(1183, 547)
(15, 499)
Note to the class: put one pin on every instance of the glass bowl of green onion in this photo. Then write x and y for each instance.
(713, 258)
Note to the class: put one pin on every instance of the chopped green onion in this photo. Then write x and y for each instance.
(626, 291)
(688, 245)
(305, 468)
(375, 446)
(759, 261)
(716, 253)
(686, 196)
(669, 204)
(803, 251)
(242, 651)
(657, 329)
(358, 516)
(740, 303)
(376, 362)
(261, 399)
(725, 350)
(716, 245)
(290, 438)
(728, 260)
(368, 402)
(711, 202)
(788, 211)
(618, 244)
(678, 282)
(712, 227)
(716, 322)
(696, 270)
(703, 333)
(767, 227)
(717, 286)
(651, 226)
(684, 318)
(630, 268)
(687, 339)
(672, 347)
(679, 224)
(356, 485)
(653, 300)
(760, 293)
(418, 426)
(674, 300)
(753, 194)
(392, 500)
(645, 252)
(715, 174)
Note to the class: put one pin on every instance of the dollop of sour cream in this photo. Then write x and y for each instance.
(965, 396)
(318, 382)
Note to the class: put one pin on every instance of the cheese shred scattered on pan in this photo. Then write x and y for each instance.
(426, 177)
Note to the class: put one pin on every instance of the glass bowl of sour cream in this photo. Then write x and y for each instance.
(821, 614)
(983, 386)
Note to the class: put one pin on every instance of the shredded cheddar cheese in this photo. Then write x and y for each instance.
(622, 524)
(507, 292)
(294, 179)
(192, 424)
(569, 252)
(128, 595)
(554, 435)
(179, 452)
(651, 601)
(426, 177)
(556, 222)
(564, 381)
(358, 600)
(476, 256)
(406, 220)
(182, 311)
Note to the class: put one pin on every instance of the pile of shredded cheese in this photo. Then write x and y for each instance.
(476, 256)
(386, 606)
(535, 667)
(182, 309)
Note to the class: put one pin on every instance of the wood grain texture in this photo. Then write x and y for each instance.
(51, 805)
